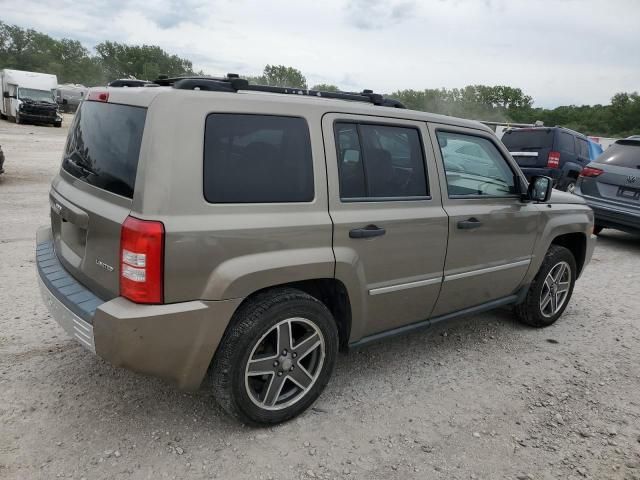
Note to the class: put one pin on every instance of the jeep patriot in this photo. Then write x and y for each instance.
(211, 228)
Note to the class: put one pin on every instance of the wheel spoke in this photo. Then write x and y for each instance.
(261, 366)
(284, 336)
(559, 299)
(273, 390)
(307, 345)
(563, 287)
(301, 377)
(545, 301)
(558, 276)
(554, 303)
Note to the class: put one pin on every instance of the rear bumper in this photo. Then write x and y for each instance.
(613, 216)
(175, 341)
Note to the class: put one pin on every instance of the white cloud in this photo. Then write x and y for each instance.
(560, 52)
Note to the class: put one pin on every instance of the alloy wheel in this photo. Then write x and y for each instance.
(555, 289)
(285, 364)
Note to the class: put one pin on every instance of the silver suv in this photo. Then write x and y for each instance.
(248, 233)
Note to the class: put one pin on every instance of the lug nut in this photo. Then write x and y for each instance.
(276, 363)
(279, 374)
(291, 369)
(294, 354)
(284, 352)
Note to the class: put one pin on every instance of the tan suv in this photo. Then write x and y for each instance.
(211, 227)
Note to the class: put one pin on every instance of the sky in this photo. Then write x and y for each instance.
(560, 52)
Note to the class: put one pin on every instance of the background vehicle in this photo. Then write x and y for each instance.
(611, 187)
(69, 96)
(293, 225)
(595, 150)
(29, 96)
(557, 152)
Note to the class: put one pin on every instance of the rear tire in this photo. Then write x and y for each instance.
(570, 187)
(551, 289)
(263, 375)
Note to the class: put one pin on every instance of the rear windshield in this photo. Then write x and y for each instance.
(623, 153)
(527, 140)
(104, 145)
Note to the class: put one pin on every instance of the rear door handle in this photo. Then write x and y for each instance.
(469, 224)
(367, 232)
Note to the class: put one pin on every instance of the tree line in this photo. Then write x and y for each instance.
(27, 49)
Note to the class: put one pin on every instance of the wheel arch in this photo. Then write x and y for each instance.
(330, 291)
(576, 243)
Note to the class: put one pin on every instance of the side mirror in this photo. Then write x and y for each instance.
(540, 188)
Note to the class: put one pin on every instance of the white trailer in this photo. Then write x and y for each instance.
(29, 96)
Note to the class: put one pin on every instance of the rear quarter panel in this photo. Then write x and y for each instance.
(223, 251)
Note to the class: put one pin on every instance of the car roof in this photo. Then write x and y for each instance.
(554, 128)
(144, 97)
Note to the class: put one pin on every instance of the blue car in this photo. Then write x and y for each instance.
(595, 149)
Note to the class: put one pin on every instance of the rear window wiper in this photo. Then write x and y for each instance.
(77, 161)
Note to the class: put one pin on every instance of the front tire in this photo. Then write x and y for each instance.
(551, 289)
(275, 358)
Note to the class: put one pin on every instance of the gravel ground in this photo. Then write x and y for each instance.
(483, 398)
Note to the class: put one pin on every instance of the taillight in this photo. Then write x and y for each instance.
(141, 260)
(553, 160)
(98, 96)
(590, 172)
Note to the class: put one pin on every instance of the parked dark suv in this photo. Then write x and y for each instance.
(556, 152)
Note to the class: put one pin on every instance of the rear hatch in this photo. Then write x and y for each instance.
(529, 147)
(92, 195)
(619, 181)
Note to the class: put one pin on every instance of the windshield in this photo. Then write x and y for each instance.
(35, 95)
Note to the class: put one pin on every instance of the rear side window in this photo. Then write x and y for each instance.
(103, 146)
(565, 143)
(527, 140)
(257, 159)
(380, 161)
(583, 147)
(623, 153)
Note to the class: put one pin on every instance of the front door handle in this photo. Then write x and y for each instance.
(367, 232)
(469, 224)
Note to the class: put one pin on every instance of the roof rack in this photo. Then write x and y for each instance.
(233, 83)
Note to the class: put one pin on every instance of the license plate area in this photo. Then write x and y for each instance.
(629, 193)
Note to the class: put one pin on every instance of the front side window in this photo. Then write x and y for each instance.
(257, 159)
(474, 166)
(380, 161)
